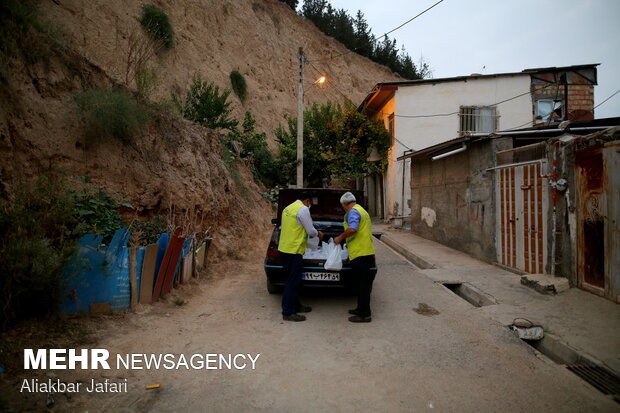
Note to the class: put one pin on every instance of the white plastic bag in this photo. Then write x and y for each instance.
(334, 257)
(345, 253)
(313, 243)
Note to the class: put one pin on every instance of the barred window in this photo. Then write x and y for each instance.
(478, 119)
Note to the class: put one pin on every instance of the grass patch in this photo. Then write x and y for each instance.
(110, 112)
(146, 78)
(229, 161)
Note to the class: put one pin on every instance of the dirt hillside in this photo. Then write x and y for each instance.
(259, 38)
(172, 164)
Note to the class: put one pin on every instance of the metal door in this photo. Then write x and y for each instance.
(522, 206)
(598, 198)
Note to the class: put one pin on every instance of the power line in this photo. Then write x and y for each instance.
(527, 123)
(611, 96)
(451, 113)
(434, 115)
(411, 19)
(347, 98)
(329, 81)
(383, 35)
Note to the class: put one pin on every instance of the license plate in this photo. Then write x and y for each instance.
(322, 276)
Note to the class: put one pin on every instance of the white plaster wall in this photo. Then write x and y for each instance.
(448, 97)
(389, 176)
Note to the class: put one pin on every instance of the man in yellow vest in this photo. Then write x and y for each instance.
(358, 235)
(297, 226)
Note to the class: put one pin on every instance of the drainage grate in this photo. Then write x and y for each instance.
(599, 377)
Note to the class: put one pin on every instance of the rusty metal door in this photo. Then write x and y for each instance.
(597, 220)
(508, 218)
(522, 208)
(611, 163)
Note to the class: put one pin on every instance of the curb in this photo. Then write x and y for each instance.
(410, 256)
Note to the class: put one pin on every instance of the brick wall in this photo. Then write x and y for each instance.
(580, 96)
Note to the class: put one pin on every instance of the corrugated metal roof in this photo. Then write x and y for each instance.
(478, 75)
(576, 128)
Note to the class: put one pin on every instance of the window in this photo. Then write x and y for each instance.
(478, 119)
(548, 110)
(391, 128)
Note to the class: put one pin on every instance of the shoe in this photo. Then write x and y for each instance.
(354, 311)
(360, 319)
(294, 317)
(304, 309)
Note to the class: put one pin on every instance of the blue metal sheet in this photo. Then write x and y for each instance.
(97, 274)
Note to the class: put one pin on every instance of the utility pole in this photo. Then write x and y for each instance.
(300, 121)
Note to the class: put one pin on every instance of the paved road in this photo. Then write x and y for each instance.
(457, 360)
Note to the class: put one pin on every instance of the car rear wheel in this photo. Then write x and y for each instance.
(272, 288)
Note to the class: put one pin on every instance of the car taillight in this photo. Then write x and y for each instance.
(272, 251)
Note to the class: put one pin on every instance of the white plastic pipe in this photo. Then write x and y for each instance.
(454, 152)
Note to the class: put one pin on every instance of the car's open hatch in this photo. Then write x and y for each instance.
(325, 202)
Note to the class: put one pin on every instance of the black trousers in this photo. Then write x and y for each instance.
(293, 266)
(363, 277)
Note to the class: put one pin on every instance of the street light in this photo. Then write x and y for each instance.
(300, 117)
(320, 81)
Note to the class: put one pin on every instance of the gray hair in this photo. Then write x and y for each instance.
(347, 198)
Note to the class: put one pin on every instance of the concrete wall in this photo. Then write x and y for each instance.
(453, 199)
(564, 262)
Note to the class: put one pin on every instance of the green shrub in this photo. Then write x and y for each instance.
(148, 232)
(238, 84)
(157, 24)
(256, 150)
(21, 27)
(97, 211)
(39, 227)
(205, 105)
(110, 112)
(36, 240)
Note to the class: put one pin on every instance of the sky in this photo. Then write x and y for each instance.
(461, 37)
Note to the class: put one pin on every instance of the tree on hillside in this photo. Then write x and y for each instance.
(343, 27)
(292, 3)
(355, 34)
(386, 53)
(337, 142)
(364, 39)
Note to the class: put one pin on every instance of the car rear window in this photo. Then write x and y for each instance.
(325, 202)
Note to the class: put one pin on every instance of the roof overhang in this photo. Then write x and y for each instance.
(539, 133)
(377, 97)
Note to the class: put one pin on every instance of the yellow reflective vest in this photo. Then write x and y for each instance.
(293, 237)
(360, 243)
